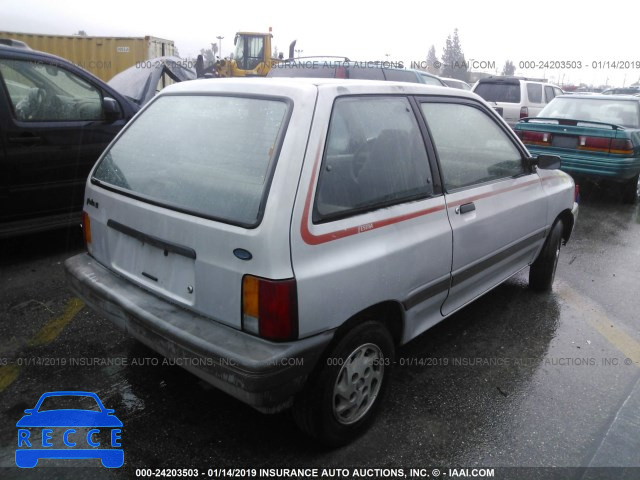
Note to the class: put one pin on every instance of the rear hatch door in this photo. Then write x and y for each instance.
(178, 203)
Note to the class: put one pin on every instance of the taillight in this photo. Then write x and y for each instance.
(536, 138)
(270, 308)
(576, 194)
(524, 112)
(86, 228)
(594, 144)
(341, 72)
(621, 146)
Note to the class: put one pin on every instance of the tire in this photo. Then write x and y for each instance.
(543, 270)
(631, 190)
(358, 366)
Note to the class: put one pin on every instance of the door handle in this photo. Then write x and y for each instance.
(467, 207)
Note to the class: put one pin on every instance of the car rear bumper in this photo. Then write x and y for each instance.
(260, 373)
(594, 166)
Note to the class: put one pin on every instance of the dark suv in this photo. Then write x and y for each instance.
(55, 120)
(327, 67)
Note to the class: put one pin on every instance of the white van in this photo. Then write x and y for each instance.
(515, 98)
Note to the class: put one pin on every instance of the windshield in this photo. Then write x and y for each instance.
(616, 112)
(249, 51)
(207, 155)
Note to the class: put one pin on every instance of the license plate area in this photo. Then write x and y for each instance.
(564, 141)
(159, 269)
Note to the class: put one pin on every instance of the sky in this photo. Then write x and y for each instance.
(601, 43)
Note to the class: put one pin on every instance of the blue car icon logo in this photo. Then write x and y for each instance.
(69, 433)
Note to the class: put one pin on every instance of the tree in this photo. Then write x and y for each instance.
(509, 68)
(208, 56)
(81, 33)
(433, 64)
(454, 64)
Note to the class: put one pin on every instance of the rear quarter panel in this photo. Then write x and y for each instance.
(560, 190)
(345, 266)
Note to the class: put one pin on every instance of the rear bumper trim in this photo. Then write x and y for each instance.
(263, 374)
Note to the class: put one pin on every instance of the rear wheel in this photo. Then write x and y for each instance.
(631, 190)
(543, 270)
(342, 399)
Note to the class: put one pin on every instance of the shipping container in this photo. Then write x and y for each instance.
(102, 56)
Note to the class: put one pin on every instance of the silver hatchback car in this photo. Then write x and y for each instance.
(282, 237)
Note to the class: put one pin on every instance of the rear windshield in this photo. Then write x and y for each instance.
(499, 92)
(211, 156)
(620, 112)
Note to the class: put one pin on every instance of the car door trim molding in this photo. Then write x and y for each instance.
(151, 240)
(424, 294)
(470, 271)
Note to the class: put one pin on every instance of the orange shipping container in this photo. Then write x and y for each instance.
(102, 56)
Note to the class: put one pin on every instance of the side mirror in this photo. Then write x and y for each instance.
(546, 162)
(29, 411)
(111, 109)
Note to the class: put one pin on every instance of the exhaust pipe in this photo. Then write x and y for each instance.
(291, 49)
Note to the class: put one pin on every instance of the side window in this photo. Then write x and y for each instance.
(394, 75)
(430, 80)
(557, 91)
(45, 92)
(374, 157)
(549, 93)
(534, 92)
(472, 148)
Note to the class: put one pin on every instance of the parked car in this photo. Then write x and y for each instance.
(455, 83)
(516, 97)
(429, 79)
(344, 68)
(142, 81)
(597, 137)
(55, 121)
(286, 235)
(622, 91)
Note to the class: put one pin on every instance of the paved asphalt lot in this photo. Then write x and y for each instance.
(517, 379)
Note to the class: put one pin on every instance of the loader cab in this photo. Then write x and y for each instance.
(252, 53)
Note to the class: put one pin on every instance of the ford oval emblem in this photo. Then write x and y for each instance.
(242, 254)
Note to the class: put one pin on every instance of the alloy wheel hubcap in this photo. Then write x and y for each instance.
(358, 384)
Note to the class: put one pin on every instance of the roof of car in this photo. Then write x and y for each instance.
(282, 84)
(598, 96)
(512, 79)
(28, 52)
